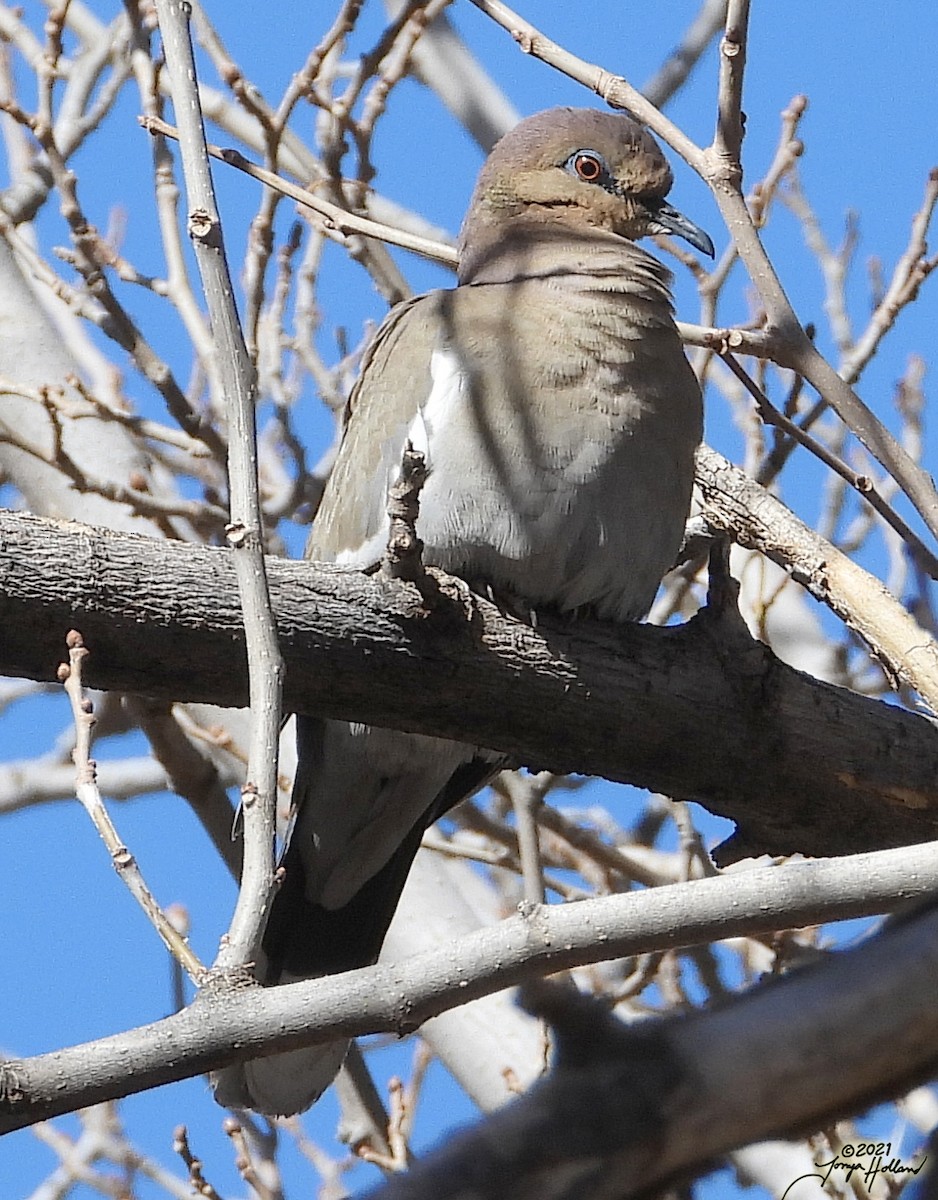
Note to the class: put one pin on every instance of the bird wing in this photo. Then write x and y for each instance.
(351, 523)
(364, 796)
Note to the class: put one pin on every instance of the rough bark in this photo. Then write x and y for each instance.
(699, 711)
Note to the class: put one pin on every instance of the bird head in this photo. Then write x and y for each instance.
(574, 169)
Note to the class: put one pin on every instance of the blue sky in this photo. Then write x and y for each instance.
(80, 961)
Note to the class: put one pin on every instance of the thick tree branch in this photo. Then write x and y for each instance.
(698, 711)
(629, 1108)
(226, 1023)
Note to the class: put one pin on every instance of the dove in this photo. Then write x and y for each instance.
(558, 417)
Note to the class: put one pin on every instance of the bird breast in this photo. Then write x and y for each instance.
(559, 420)
(559, 430)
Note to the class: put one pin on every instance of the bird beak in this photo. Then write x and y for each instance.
(666, 219)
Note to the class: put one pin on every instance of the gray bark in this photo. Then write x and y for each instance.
(699, 711)
(874, 1005)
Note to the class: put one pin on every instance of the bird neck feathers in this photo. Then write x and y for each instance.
(526, 249)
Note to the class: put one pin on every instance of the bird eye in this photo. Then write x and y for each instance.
(587, 165)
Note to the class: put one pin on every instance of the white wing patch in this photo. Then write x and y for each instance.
(368, 553)
(448, 382)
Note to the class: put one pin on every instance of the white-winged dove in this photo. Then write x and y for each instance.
(559, 418)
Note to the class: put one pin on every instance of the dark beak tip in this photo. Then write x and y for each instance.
(705, 244)
(693, 235)
(674, 222)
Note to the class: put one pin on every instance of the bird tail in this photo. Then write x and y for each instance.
(282, 1084)
(345, 774)
(303, 940)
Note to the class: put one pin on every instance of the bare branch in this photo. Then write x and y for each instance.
(225, 1024)
(335, 219)
(630, 1109)
(87, 791)
(245, 533)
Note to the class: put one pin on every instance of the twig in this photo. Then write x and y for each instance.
(200, 1185)
(276, 138)
(773, 463)
(674, 71)
(790, 148)
(47, 66)
(391, 47)
(363, 1120)
(86, 789)
(695, 861)
(179, 287)
(728, 139)
(614, 859)
(403, 556)
(335, 220)
(762, 194)
(76, 1157)
(256, 260)
(861, 483)
(398, 1156)
(527, 796)
(245, 532)
(422, 1060)
(834, 265)
(104, 1141)
(244, 1161)
(192, 775)
(151, 430)
(386, 63)
(502, 857)
(203, 516)
(329, 1169)
(302, 82)
(445, 64)
(912, 269)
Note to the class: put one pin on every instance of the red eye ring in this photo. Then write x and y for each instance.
(588, 167)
